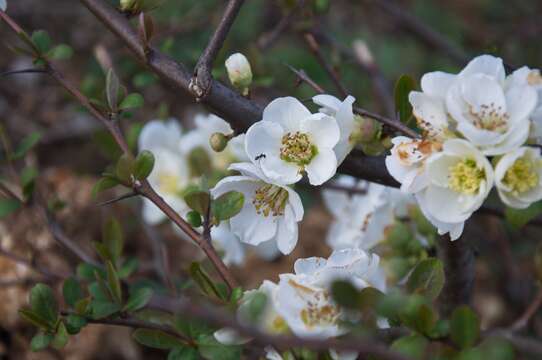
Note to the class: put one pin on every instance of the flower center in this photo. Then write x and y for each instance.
(490, 117)
(297, 148)
(320, 314)
(168, 183)
(465, 177)
(521, 176)
(270, 199)
(279, 325)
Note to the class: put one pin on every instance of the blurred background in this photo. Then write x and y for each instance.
(392, 38)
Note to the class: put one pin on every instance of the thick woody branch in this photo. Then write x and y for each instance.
(201, 82)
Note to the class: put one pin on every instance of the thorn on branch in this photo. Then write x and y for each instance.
(120, 198)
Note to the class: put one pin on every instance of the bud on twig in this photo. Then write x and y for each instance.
(126, 5)
(239, 72)
(219, 141)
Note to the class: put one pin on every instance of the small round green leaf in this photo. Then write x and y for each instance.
(194, 218)
(144, 164)
(228, 205)
(156, 339)
(40, 341)
(72, 291)
(427, 278)
(132, 101)
(138, 299)
(43, 303)
(345, 294)
(464, 327)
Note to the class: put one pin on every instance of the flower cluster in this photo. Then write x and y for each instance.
(287, 143)
(466, 118)
(301, 303)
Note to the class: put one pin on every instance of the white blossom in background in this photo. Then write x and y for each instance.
(224, 239)
(3, 5)
(303, 299)
(460, 180)
(342, 112)
(518, 177)
(526, 76)
(493, 117)
(290, 141)
(406, 163)
(239, 72)
(270, 212)
(169, 176)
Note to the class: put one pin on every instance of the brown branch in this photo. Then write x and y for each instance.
(458, 260)
(31, 264)
(201, 83)
(267, 39)
(424, 32)
(333, 75)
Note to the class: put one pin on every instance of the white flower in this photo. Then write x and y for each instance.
(169, 176)
(225, 240)
(460, 180)
(530, 77)
(290, 140)
(360, 219)
(270, 211)
(3, 5)
(406, 163)
(518, 177)
(303, 298)
(198, 138)
(342, 112)
(239, 71)
(492, 116)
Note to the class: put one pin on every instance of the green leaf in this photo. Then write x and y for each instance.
(138, 299)
(102, 250)
(199, 162)
(101, 309)
(412, 346)
(144, 164)
(497, 349)
(209, 348)
(114, 282)
(103, 184)
(82, 307)
(61, 337)
(27, 143)
(345, 294)
(227, 205)
(191, 327)
(194, 218)
(98, 290)
(256, 306)
(112, 87)
(518, 218)
(113, 239)
(40, 341)
(427, 278)
(132, 101)
(34, 319)
(198, 200)
(184, 353)
(129, 266)
(404, 85)
(86, 271)
(60, 52)
(236, 295)
(74, 323)
(425, 320)
(28, 177)
(471, 354)
(156, 339)
(203, 280)
(72, 292)
(464, 327)
(125, 168)
(41, 41)
(8, 206)
(43, 303)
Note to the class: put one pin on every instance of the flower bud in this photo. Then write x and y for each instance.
(239, 72)
(367, 129)
(218, 141)
(126, 5)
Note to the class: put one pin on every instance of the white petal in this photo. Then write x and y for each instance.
(482, 90)
(295, 202)
(309, 266)
(437, 83)
(287, 232)
(430, 109)
(263, 139)
(485, 64)
(329, 103)
(322, 167)
(267, 250)
(323, 130)
(458, 208)
(229, 336)
(279, 171)
(159, 134)
(286, 111)
(521, 101)
(252, 228)
(247, 169)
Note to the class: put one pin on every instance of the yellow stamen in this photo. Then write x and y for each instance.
(521, 176)
(297, 148)
(466, 177)
(270, 200)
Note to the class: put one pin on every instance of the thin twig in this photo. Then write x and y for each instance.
(333, 75)
(31, 264)
(129, 195)
(267, 39)
(23, 71)
(202, 80)
(531, 310)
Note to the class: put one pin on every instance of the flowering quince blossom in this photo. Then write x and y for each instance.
(491, 116)
(270, 212)
(303, 299)
(169, 176)
(460, 180)
(518, 177)
(239, 71)
(342, 112)
(290, 141)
